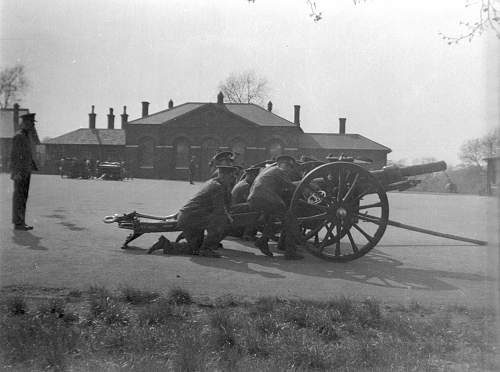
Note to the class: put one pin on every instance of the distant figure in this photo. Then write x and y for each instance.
(22, 164)
(61, 167)
(192, 169)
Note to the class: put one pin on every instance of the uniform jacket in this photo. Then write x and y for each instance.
(271, 185)
(21, 156)
(211, 199)
(240, 192)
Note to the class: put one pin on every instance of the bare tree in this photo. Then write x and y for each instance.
(488, 18)
(245, 87)
(13, 84)
(473, 151)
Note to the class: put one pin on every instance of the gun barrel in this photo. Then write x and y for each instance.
(415, 170)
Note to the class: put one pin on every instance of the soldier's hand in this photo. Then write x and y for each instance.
(16, 176)
(230, 219)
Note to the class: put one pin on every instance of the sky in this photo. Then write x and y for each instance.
(381, 64)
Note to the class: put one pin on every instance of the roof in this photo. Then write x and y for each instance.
(7, 122)
(87, 136)
(248, 111)
(339, 142)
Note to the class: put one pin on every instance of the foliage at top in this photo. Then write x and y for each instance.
(13, 84)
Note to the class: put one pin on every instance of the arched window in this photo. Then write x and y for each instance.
(145, 152)
(182, 153)
(274, 149)
(239, 148)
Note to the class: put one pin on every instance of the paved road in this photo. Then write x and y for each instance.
(72, 248)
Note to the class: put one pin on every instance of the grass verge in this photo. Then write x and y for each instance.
(137, 330)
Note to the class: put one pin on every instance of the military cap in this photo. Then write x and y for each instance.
(227, 169)
(223, 155)
(29, 117)
(285, 158)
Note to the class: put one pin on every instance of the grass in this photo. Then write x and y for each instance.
(135, 330)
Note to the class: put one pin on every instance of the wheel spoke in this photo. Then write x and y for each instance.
(370, 218)
(314, 232)
(353, 244)
(363, 232)
(373, 205)
(354, 182)
(341, 183)
(337, 244)
(326, 240)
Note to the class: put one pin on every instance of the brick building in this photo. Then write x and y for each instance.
(161, 144)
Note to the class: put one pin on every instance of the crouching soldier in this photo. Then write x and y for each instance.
(208, 210)
(266, 196)
(239, 196)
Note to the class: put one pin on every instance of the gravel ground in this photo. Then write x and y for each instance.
(70, 247)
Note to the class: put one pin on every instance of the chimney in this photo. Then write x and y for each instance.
(342, 126)
(92, 116)
(269, 106)
(15, 117)
(111, 119)
(220, 98)
(296, 118)
(145, 108)
(124, 118)
(170, 104)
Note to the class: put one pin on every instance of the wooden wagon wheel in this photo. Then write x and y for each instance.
(342, 210)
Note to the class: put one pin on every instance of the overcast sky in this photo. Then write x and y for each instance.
(381, 63)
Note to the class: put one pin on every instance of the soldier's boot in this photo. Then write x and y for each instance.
(208, 252)
(168, 247)
(282, 243)
(291, 249)
(158, 245)
(261, 243)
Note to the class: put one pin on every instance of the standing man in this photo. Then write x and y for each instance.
(21, 166)
(192, 169)
(267, 196)
(208, 210)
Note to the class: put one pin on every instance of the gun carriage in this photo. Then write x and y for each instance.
(341, 208)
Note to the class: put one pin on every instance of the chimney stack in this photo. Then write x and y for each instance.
(111, 119)
(145, 108)
(124, 118)
(15, 117)
(269, 106)
(342, 126)
(170, 104)
(92, 116)
(296, 118)
(220, 98)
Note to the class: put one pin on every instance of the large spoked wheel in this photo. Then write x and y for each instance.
(342, 210)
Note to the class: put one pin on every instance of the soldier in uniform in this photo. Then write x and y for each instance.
(266, 196)
(208, 210)
(192, 169)
(220, 158)
(239, 196)
(21, 166)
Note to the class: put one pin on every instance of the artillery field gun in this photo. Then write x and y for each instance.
(341, 208)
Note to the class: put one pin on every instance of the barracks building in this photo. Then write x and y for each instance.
(161, 144)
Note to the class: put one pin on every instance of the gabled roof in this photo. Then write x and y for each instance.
(7, 129)
(339, 142)
(248, 111)
(169, 114)
(87, 136)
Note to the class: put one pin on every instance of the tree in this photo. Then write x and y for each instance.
(473, 151)
(245, 87)
(13, 84)
(488, 18)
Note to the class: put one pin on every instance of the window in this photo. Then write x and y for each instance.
(145, 153)
(182, 154)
